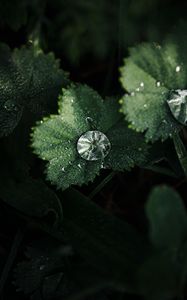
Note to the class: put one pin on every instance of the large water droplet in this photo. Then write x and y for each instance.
(93, 145)
(178, 105)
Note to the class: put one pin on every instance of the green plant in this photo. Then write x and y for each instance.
(92, 184)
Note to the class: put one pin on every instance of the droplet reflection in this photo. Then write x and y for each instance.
(93, 145)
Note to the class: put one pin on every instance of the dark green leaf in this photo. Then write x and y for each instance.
(167, 217)
(111, 246)
(28, 79)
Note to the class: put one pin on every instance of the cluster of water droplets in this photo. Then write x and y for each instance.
(10, 106)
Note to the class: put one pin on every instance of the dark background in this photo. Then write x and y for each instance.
(91, 38)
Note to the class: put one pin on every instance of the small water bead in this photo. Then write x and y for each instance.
(178, 106)
(93, 145)
(142, 84)
(89, 119)
(158, 83)
(63, 169)
(178, 68)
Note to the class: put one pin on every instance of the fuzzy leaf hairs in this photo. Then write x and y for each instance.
(155, 77)
(86, 135)
(29, 80)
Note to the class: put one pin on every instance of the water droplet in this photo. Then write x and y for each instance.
(79, 166)
(138, 89)
(10, 106)
(158, 46)
(178, 68)
(42, 267)
(72, 100)
(89, 120)
(178, 105)
(158, 83)
(93, 145)
(63, 169)
(145, 106)
(142, 84)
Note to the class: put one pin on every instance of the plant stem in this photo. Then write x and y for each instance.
(101, 185)
(181, 152)
(12, 255)
(161, 170)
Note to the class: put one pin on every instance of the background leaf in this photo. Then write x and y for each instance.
(28, 79)
(151, 74)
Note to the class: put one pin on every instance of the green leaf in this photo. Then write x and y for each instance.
(160, 277)
(167, 217)
(152, 75)
(43, 268)
(30, 196)
(163, 273)
(29, 79)
(106, 243)
(81, 109)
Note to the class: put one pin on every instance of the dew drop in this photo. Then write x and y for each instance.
(10, 106)
(178, 68)
(63, 169)
(145, 106)
(142, 84)
(93, 145)
(89, 120)
(158, 83)
(178, 106)
(42, 267)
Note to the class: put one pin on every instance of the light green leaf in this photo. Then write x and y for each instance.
(151, 75)
(29, 79)
(81, 110)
